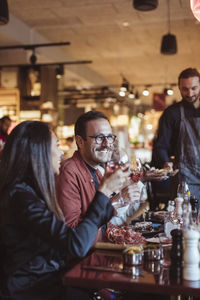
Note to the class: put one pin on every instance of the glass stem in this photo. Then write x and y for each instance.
(121, 200)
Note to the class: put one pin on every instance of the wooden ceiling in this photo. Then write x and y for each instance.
(111, 33)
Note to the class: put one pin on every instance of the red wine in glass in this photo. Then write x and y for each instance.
(136, 176)
(137, 173)
(119, 160)
(111, 166)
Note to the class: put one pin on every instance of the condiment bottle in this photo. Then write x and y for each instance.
(176, 252)
(195, 207)
(187, 210)
(176, 255)
(179, 210)
(191, 255)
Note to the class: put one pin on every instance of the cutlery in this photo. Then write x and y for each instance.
(107, 269)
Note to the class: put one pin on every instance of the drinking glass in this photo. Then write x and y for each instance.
(137, 171)
(119, 159)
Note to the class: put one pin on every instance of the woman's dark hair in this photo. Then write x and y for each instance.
(81, 123)
(27, 158)
(189, 72)
(5, 118)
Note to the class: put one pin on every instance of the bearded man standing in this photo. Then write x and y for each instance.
(179, 133)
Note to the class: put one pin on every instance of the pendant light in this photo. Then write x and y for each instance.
(59, 71)
(4, 15)
(145, 5)
(168, 44)
(195, 7)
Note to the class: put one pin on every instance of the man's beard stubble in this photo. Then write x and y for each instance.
(188, 99)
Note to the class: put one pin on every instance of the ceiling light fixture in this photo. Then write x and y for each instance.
(168, 44)
(131, 93)
(33, 57)
(122, 93)
(145, 91)
(59, 72)
(125, 24)
(137, 100)
(4, 14)
(125, 85)
(76, 62)
(145, 5)
(168, 91)
(195, 7)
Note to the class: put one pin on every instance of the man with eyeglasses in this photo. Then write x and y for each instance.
(80, 175)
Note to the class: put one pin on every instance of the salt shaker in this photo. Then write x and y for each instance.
(179, 210)
(191, 255)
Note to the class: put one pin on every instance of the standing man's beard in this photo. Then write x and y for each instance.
(192, 99)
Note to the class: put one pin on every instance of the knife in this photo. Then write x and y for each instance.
(107, 269)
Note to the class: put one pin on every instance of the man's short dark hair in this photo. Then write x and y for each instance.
(187, 73)
(81, 123)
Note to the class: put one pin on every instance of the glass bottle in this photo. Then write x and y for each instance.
(187, 211)
(182, 189)
(170, 221)
(194, 213)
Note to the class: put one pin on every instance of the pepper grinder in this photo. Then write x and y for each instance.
(176, 255)
(191, 255)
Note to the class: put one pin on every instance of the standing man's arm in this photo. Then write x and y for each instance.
(163, 145)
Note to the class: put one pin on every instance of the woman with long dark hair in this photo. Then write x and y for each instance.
(34, 236)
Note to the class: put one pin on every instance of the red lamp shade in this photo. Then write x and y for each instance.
(195, 7)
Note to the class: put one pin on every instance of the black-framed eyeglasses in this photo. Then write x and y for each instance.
(100, 138)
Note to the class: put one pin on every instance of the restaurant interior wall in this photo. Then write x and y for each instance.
(67, 115)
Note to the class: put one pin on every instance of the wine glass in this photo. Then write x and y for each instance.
(119, 159)
(137, 171)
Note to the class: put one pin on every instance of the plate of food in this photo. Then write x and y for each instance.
(147, 228)
(120, 238)
(159, 174)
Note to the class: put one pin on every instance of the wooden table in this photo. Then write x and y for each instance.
(153, 276)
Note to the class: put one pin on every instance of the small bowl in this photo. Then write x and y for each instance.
(152, 266)
(132, 270)
(153, 254)
(132, 259)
